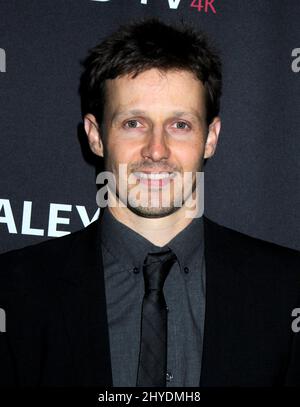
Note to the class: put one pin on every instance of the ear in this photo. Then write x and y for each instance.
(212, 138)
(93, 133)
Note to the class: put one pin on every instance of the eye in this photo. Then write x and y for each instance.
(132, 124)
(182, 125)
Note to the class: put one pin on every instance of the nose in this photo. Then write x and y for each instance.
(156, 147)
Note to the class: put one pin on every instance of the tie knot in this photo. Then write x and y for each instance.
(156, 269)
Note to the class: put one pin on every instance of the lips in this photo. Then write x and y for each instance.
(154, 175)
(154, 179)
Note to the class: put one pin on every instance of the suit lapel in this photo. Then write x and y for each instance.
(82, 297)
(212, 262)
(226, 304)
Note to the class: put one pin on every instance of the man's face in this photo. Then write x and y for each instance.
(155, 124)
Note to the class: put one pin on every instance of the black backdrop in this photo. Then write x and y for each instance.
(47, 183)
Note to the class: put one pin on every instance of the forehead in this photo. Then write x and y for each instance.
(174, 89)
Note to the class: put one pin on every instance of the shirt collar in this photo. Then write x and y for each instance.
(132, 248)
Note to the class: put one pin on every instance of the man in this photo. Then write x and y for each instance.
(149, 295)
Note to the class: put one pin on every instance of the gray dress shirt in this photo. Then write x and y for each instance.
(124, 252)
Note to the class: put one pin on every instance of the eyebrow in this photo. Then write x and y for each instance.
(135, 112)
(193, 115)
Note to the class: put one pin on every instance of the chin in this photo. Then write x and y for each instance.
(152, 212)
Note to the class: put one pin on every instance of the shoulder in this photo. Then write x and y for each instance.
(243, 240)
(251, 250)
(19, 267)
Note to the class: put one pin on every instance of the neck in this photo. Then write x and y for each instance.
(158, 231)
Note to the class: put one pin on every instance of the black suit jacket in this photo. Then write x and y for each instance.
(56, 323)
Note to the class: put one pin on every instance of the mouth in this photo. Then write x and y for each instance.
(154, 179)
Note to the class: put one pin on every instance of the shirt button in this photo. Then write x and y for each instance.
(169, 376)
(186, 270)
(167, 308)
(136, 270)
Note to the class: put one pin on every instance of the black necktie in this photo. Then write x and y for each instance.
(153, 343)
